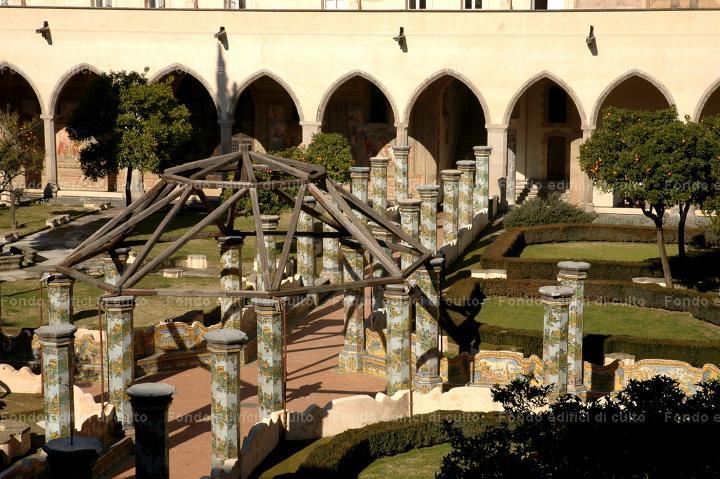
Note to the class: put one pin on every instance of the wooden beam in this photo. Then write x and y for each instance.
(337, 287)
(182, 240)
(379, 219)
(110, 238)
(130, 270)
(288, 238)
(197, 293)
(73, 273)
(199, 163)
(260, 238)
(220, 225)
(318, 215)
(213, 167)
(280, 166)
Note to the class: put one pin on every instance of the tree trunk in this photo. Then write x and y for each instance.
(13, 219)
(663, 254)
(128, 191)
(684, 210)
(137, 185)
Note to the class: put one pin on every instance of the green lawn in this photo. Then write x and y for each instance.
(521, 313)
(31, 219)
(597, 250)
(285, 459)
(420, 463)
(21, 302)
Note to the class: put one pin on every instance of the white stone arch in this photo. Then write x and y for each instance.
(709, 91)
(7, 65)
(256, 76)
(81, 68)
(178, 67)
(625, 76)
(546, 75)
(341, 81)
(437, 75)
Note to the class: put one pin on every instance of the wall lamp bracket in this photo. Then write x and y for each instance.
(44, 31)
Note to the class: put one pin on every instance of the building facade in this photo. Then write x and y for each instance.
(531, 84)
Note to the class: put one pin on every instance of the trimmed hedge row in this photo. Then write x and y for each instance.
(504, 251)
(595, 346)
(348, 453)
(703, 306)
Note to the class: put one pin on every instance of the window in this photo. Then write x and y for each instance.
(335, 4)
(102, 3)
(3, 2)
(557, 105)
(156, 3)
(235, 4)
(473, 4)
(540, 5)
(417, 4)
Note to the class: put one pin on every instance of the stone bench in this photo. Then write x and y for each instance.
(56, 221)
(97, 206)
(8, 237)
(14, 440)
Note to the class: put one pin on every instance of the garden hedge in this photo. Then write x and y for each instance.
(348, 453)
(705, 307)
(504, 251)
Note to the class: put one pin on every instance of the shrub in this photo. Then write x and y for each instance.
(331, 150)
(540, 211)
(570, 437)
(348, 453)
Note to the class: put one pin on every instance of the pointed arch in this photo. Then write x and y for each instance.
(256, 76)
(7, 65)
(189, 71)
(619, 80)
(341, 81)
(709, 91)
(546, 75)
(82, 68)
(436, 76)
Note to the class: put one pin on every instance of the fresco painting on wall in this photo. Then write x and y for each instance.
(277, 126)
(374, 139)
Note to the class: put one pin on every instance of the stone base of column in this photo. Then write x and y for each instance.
(350, 362)
(72, 459)
(425, 385)
(579, 391)
(334, 276)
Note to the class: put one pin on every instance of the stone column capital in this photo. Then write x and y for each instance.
(483, 150)
(428, 192)
(401, 150)
(360, 173)
(225, 340)
(226, 122)
(310, 123)
(47, 116)
(59, 279)
(265, 306)
(466, 166)
(397, 291)
(118, 303)
(450, 175)
(230, 242)
(56, 334)
(150, 396)
(573, 270)
(379, 162)
(409, 205)
(556, 295)
(269, 222)
(309, 200)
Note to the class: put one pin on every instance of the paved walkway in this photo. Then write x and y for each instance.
(313, 348)
(54, 244)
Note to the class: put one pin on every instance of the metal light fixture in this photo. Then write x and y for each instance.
(590, 39)
(401, 39)
(221, 35)
(45, 32)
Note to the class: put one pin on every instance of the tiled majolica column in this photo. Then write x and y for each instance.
(482, 178)
(150, 403)
(572, 275)
(556, 300)
(110, 272)
(354, 304)
(378, 177)
(58, 352)
(269, 223)
(271, 367)
(331, 256)
(428, 216)
(398, 337)
(410, 223)
(401, 154)
(451, 180)
(224, 346)
(465, 197)
(231, 280)
(120, 354)
(60, 299)
(306, 245)
(427, 366)
(378, 271)
(359, 178)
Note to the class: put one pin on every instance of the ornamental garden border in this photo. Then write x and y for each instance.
(503, 252)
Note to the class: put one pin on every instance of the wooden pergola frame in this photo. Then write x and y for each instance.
(337, 207)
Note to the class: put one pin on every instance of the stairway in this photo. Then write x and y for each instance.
(471, 134)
